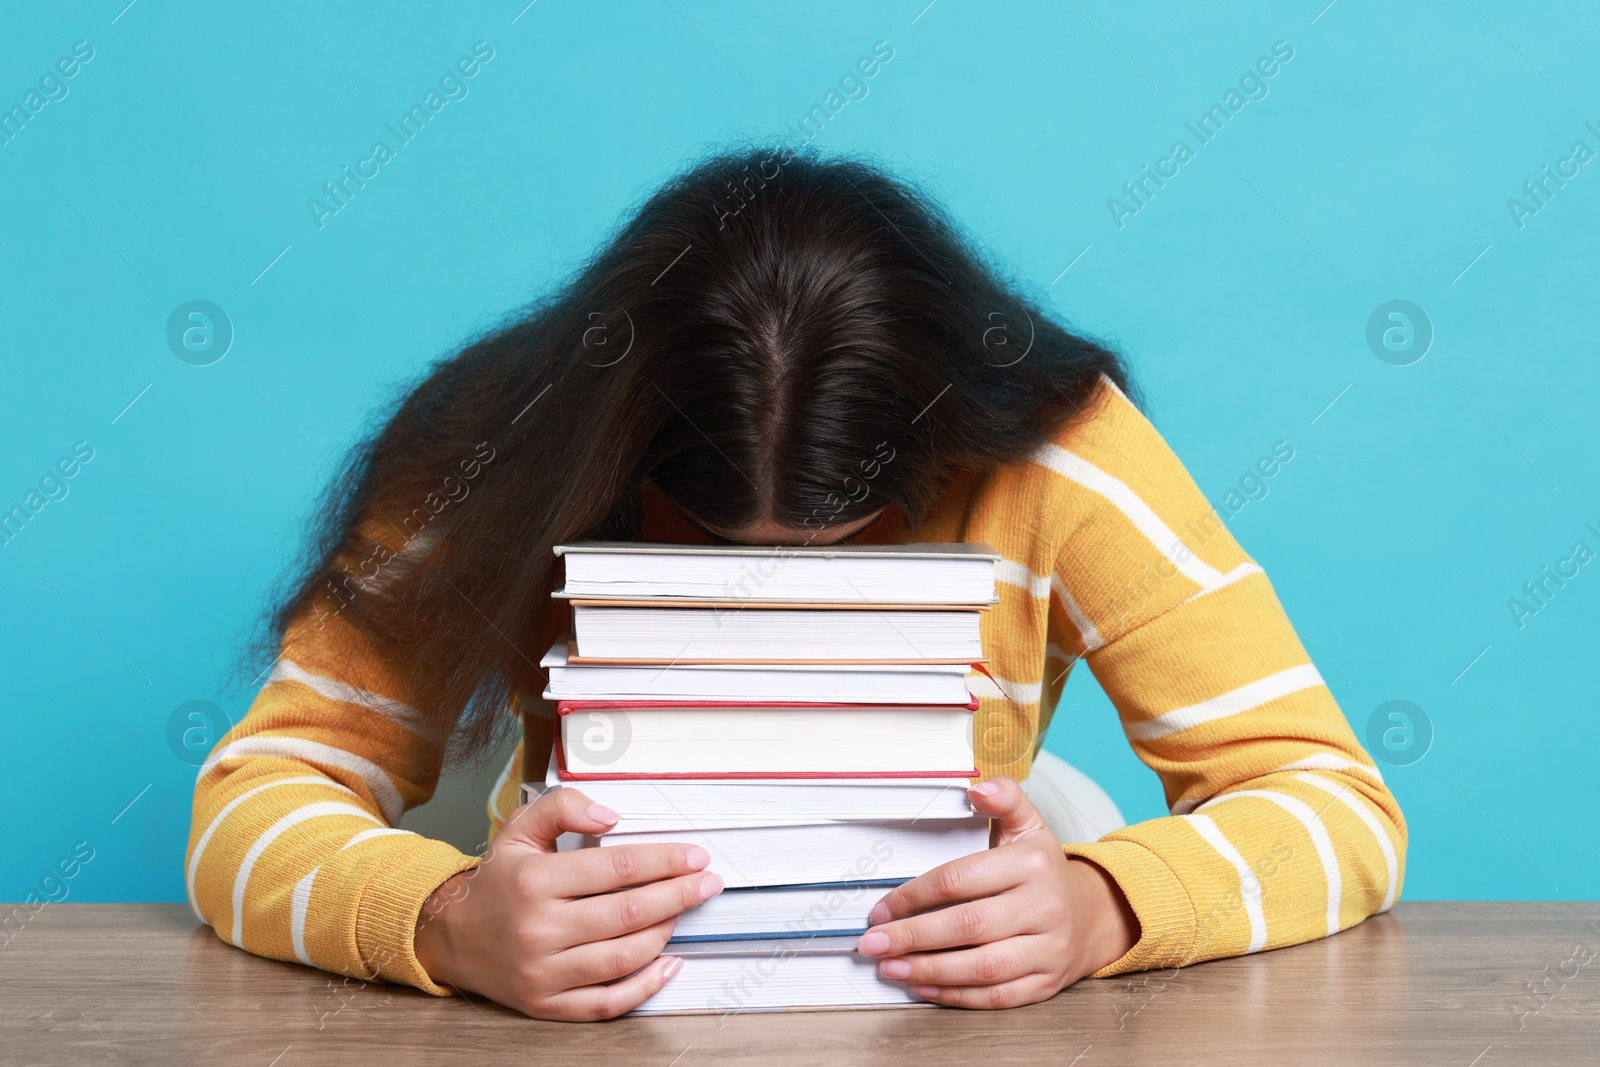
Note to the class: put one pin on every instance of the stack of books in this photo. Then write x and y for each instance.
(803, 715)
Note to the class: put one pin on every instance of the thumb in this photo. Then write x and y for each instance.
(537, 825)
(1003, 800)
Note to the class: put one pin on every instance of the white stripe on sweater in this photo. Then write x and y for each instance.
(1018, 574)
(377, 831)
(1040, 586)
(1317, 761)
(300, 898)
(1105, 380)
(1086, 630)
(1327, 761)
(420, 544)
(299, 901)
(996, 687)
(1319, 840)
(271, 834)
(1242, 571)
(227, 809)
(1245, 698)
(399, 712)
(1144, 519)
(1343, 794)
(1249, 884)
(377, 780)
(500, 784)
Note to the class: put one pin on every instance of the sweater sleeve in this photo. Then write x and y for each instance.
(293, 849)
(1282, 830)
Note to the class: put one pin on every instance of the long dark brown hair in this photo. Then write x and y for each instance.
(762, 326)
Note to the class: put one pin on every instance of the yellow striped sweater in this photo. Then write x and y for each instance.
(1281, 828)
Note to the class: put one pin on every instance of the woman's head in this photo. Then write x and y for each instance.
(785, 345)
(799, 321)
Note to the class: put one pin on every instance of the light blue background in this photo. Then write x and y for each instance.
(1381, 161)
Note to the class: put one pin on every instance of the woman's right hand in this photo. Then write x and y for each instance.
(560, 935)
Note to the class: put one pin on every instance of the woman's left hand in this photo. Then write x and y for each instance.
(1013, 925)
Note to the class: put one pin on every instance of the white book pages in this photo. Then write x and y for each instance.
(732, 977)
(673, 634)
(753, 802)
(859, 683)
(799, 911)
(689, 803)
(685, 740)
(799, 855)
(929, 573)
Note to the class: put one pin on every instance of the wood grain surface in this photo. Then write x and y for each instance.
(1478, 984)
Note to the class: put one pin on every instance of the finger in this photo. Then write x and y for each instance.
(560, 810)
(600, 870)
(588, 1003)
(991, 964)
(1030, 989)
(1002, 799)
(982, 874)
(601, 961)
(614, 914)
(974, 923)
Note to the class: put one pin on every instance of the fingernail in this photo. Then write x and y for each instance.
(697, 857)
(873, 943)
(601, 813)
(899, 970)
(878, 915)
(926, 992)
(710, 886)
(674, 965)
(985, 789)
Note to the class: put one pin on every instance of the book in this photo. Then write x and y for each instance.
(935, 573)
(725, 977)
(802, 715)
(669, 803)
(803, 854)
(829, 909)
(825, 683)
(674, 740)
(860, 634)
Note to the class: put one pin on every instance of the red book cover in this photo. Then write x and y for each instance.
(568, 705)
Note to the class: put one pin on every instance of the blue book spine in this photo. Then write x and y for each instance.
(782, 935)
(865, 883)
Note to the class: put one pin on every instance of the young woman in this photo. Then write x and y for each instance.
(778, 349)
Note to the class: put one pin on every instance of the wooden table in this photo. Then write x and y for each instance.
(1479, 984)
